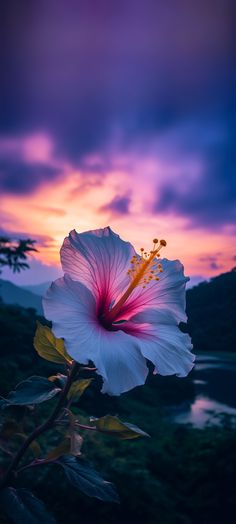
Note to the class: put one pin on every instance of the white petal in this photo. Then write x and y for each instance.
(72, 309)
(162, 342)
(100, 260)
(170, 351)
(120, 362)
(167, 293)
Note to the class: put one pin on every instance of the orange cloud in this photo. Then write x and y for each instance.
(80, 203)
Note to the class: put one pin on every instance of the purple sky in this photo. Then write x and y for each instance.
(129, 102)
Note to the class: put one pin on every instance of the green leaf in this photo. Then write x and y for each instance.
(22, 507)
(89, 481)
(34, 390)
(78, 387)
(71, 445)
(50, 347)
(62, 449)
(114, 426)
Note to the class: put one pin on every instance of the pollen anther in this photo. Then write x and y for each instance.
(144, 270)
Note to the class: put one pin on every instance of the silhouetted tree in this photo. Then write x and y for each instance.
(13, 254)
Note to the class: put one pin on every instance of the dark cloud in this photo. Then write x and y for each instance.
(89, 74)
(20, 177)
(209, 258)
(118, 206)
(209, 200)
(82, 72)
(215, 265)
(212, 262)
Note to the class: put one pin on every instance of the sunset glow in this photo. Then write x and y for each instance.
(140, 140)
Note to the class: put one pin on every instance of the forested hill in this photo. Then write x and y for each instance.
(12, 294)
(147, 473)
(211, 308)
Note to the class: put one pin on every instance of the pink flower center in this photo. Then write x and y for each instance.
(144, 269)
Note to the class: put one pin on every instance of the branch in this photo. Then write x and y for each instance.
(43, 427)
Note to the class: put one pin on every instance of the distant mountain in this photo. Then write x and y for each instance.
(38, 289)
(11, 294)
(211, 309)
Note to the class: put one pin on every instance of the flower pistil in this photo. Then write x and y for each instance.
(144, 269)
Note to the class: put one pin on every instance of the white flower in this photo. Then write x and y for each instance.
(117, 309)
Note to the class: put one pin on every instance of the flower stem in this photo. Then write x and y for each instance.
(43, 427)
(82, 426)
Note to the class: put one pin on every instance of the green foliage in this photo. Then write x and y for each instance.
(9, 435)
(63, 448)
(8, 429)
(81, 475)
(211, 308)
(72, 441)
(78, 387)
(181, 475)
(24, 508)
(34, 390)
(18, 359)
(71, 445)
(113, 426)
(50, 347)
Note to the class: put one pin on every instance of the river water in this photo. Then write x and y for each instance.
(214, 380)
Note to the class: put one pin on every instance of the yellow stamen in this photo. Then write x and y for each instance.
(139, 274)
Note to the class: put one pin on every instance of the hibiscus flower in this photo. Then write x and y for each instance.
(119, 309)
